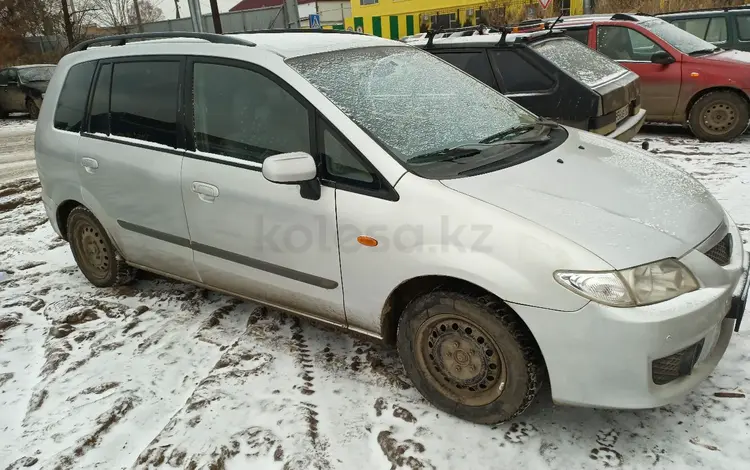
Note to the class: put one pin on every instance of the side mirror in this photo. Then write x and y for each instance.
(290, 168)
(294, 168)
(662, 57)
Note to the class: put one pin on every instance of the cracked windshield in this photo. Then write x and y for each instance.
(409, 100)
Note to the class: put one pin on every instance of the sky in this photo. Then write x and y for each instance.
(168, 7)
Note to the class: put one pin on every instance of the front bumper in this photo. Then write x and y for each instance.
(628, 128)
(608, 357)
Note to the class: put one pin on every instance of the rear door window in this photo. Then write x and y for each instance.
(99, 115)
(743, 27)
(518, 75)
(578, 61)
(143, 104)
(71, 104)
(475, 63)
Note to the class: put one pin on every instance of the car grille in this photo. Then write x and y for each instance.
(677, 365)
(721, 253)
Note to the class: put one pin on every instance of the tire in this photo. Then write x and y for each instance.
(719, 116)
(492, 364)
(4, 114)
(32, 109)
(94, 252)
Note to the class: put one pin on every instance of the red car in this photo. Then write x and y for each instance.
(684, 79)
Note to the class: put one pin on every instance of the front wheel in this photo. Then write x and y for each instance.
(470, 357)
(719, 116)
(32, 109)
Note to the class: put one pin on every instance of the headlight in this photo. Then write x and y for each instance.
(43, 95)
(642, 285)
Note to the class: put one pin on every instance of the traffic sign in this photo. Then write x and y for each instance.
(544, 3)
(314, 21)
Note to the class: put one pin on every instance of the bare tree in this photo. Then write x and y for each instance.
(149, 12)
(118, 14)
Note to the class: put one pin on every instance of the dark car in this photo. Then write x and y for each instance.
(547, 73)
(728, 28)
(685, 79)
(22, 88)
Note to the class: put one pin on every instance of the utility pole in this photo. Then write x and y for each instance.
(68, 24)
(216, 17)
(177, 8)
(291, 14)
(138, 15)
(195, 15)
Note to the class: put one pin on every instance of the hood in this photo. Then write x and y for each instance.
(736, 57)
(38, 86)
(620, 203)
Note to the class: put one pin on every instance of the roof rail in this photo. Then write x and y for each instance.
(297, 30)
(122, 39)
(695, 10)
(623, 17)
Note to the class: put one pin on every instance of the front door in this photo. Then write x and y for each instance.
(660, 84)
(251, 237)
(129, 163)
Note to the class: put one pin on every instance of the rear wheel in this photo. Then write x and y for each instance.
(94, 252)
(470, 357)
(32, 109)
(719, 116)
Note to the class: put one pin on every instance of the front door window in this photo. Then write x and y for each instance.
(620, 43)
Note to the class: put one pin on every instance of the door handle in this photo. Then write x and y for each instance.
(89, 164)
(206, 192)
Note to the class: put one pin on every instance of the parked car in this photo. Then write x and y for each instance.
(22, 88)
(370, 185)
(547, 73)
(728, 27)
(684, 79)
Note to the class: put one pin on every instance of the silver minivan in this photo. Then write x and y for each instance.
(367, 184)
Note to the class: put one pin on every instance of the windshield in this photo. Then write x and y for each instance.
(36, 74)
(410, 101)
(577, 60)
(676, 37)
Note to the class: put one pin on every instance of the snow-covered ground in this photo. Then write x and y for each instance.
(164, 374)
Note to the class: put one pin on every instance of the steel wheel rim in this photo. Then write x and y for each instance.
(93, 250)
(719, 118)
(461, 360)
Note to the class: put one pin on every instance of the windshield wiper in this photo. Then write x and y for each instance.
(703, 51)
(519, 129)
(452, 154)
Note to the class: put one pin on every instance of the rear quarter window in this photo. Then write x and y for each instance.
(71, 104)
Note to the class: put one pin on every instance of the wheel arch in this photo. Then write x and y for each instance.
(701, 93)
(412, 288)
(63, 211)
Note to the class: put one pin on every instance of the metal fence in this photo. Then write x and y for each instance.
(231, 22)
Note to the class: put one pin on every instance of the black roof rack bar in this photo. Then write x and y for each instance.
(297, 30)
(624, 17)
(431, 35)
(695, 10)
(123, 39)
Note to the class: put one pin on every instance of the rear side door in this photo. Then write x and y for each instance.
(129, 161)
(660, 84)
(270, 242)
